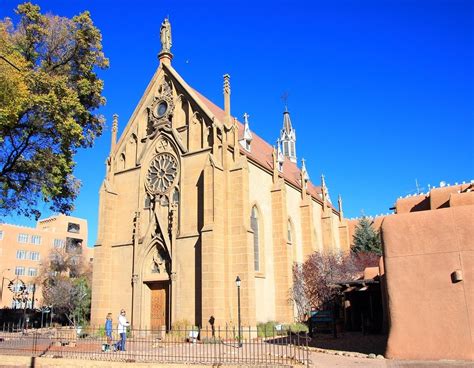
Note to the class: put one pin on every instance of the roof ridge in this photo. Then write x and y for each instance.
(292, 174)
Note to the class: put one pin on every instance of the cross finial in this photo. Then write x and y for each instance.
(246, 118)
(284, 98)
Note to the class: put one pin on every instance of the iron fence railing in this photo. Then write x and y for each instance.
(185, 345)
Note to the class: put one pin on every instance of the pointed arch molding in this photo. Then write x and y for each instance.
(158, 237)
(154, 252)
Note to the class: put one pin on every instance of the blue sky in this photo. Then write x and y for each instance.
(380, 92)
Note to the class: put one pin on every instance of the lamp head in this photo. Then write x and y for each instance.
(237, 281)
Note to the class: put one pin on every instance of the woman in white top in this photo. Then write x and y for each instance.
(122, 330)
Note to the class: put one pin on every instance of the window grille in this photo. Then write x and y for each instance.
(20, 254)
(22, 238)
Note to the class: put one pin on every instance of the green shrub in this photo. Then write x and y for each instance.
(100, 332)
(269, 329)
(182, 328)
(297, 327)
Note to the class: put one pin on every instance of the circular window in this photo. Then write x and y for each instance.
(162, 172)
(161, 109)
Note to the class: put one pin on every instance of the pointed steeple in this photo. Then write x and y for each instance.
(304, 179)
(324, 192)
(280, 157)
(339, 205)
(304, 172)
(247, 138)
(288, 137)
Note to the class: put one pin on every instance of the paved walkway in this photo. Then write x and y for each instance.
(320, 360)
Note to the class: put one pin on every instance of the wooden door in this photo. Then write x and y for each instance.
(158, 306)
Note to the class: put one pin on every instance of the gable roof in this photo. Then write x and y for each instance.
(262, 152)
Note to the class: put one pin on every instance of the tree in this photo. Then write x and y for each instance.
(314, 280)
(366, 238)
(66, 284)
(49, 90)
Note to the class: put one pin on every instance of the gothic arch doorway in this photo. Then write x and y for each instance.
(155, 288)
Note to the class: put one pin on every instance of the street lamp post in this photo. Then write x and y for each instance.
(237, 282)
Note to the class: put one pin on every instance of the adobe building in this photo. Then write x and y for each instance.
(23, 249)
(191, 199)
(429, 269)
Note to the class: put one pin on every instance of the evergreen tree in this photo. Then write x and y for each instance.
(366, 238)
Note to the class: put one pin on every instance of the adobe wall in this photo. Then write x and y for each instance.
(431, 317)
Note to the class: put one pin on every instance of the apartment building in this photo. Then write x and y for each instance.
(23, 249)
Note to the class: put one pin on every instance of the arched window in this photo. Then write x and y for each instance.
(256, 245)
(122, 161)
(131, 151)
(290, 235)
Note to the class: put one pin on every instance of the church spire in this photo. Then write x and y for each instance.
(304, 172)
(288, 137)
(247, 138)
(339, 205)
(280, 157)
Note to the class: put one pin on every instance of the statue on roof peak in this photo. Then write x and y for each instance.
(165, 36)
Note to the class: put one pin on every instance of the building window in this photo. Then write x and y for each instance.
(22, 238)
(58, 243)
(256, 245)
(73, 228)
(1, 234)
(35, 239)
(20, 254)
(32, 272)
(20, 271)
(34, 256)
(74, 245)
(290, 235)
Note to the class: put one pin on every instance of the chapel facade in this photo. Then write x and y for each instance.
(192, 198)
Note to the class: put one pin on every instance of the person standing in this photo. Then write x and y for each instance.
(122, 330)
(108, 331)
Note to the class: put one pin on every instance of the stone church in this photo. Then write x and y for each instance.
(192, 198)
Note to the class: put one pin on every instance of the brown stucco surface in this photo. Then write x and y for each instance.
(430, 316)
(461, 199)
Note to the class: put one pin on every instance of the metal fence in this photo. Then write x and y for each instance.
(186, 345)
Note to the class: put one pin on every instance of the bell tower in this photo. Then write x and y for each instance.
(288, 137)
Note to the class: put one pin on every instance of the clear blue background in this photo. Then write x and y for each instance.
(380, 92)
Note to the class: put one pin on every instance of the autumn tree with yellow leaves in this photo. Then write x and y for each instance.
(49, 91)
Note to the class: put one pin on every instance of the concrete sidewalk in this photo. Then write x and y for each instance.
(321, 360)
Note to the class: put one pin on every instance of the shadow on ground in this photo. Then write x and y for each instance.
(351, 341)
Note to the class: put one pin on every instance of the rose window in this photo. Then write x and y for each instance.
(162, 173)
